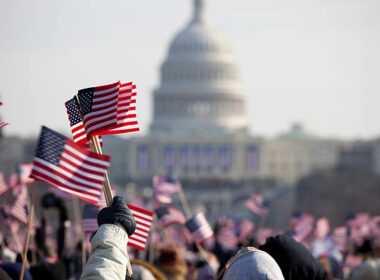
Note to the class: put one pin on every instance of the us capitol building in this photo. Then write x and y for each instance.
(199, 129)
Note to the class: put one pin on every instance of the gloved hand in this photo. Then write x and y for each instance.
(118, 214)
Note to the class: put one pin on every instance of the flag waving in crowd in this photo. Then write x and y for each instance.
(164, 188)
(255, 203)
(63, 164)
(170, 215)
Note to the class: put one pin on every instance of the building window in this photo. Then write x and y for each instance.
(142, 159)
(185, 158)
(225, 158)
(252, 159)
(169, 157)
(207, 158)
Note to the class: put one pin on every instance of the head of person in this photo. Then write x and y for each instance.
(295, 261)
(171, 263)
(251, 263)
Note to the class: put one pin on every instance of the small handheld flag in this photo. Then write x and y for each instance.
(65, 165)
(199, 228)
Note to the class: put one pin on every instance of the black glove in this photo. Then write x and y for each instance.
(118, 214)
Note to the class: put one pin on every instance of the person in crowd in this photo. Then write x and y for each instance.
(295, 261)
(109, 257)
(171, 263)
(144, 271)
(252, 264)
(369, 270)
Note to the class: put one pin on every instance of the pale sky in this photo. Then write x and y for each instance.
(317, 62)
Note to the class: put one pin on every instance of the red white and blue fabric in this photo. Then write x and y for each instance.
(163, 189)
(99, 108)
(303, 227)
(2, 124)
(255, 203)
(76, 124)
(170, 215)
(199, 228)
(3, 185)
(339, 237)
(20, 209)
(65, 165)
(126, 110)
(89, 219)
(144, 220)
(25, 170)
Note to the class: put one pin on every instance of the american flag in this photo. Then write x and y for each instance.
(163, 189)
(303, 227)
(144, 220)
(65, 165)
(170, 215)
(199, 228)
(126, 110)
(13, 183)
(99, 108)
(255, 203)
(2, 124)
(3, 185)
(25, 170)
(89, 219)
(76, 124)
(20, 209)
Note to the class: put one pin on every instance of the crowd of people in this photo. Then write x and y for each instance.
(233, 252)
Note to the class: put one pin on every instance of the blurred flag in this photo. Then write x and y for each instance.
(170, 215)
(375, 226)
(144, 220)
(255, 203)
(65, 165)
(3, 185)
(20, 209)
(76, 124)
(25, 170)
(59, 193)
(263, 234)
(199, 228)
(163, 189)
(339, 237)
(99, 108)
(303, 227)
(2, 124)
(89, 219)
(322, 228)
(126, 110)
(245, 228)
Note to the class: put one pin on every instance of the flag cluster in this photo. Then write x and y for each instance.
(102, 110)
(255, 203)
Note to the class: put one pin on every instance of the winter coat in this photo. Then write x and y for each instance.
(251, 263)
(369, 270)
(295, 261)
(109, 257)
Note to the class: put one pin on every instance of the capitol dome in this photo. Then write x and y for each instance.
(199, 92)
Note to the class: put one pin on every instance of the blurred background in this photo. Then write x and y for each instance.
(279, 98)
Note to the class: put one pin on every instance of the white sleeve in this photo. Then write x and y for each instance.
(109, 257)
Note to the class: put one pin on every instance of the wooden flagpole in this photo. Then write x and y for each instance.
(27, 237)
(95, 147)
(188, 213)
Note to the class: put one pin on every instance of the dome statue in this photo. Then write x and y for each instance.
(200, 92)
